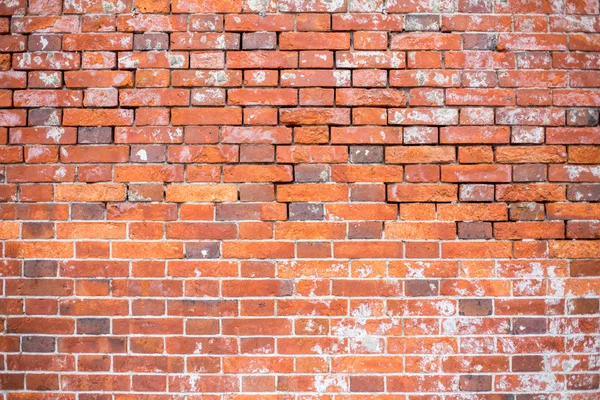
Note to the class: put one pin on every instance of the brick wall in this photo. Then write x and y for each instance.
(299, 199)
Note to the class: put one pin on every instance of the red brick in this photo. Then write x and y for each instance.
(436, 78)
(108, 41)
(315, 116)
(258, 249)
(425, 41)
(370, 40)
(257, 97)
(480, 97)
(154, 97)
(366, 135)
(476, 173)
(423, 116)
(370, 59)
(97, 117)
(253, 22)
(422, 192)
(210, 6)
(368, 249)
(257, 173)
(485, 23)
(371, 22)
(256, 197)
(227, 116)
(83, 79)
(533, 192)
(412, 231)
(366, 173)
(371, 97)
(38, 98)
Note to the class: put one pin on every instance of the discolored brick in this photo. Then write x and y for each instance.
(475, 383)
(366, 154)
(151, 41)
(365, 230)
(259, 41)
(528, 363)
(361, 384)
(305, 212)
(475, 307)
(38, 344)
(43, 42)
(529, 173)
(417, 22)
(526, 211)
(87, 211)
(480, 41)
(474, 230)
(476, 192)
(286, 199)
(582, 306)
(99, 135)
(583, 117)
(312, 173)
(418, 288)
(45, 116)
(93, 326)
(40, 268)
(528, 326)
(202, 250)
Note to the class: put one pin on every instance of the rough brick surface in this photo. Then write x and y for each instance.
(300, 199)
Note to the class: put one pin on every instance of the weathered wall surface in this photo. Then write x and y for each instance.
(299, 199)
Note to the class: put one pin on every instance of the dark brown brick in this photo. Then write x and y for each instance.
(529, 326)
(475, 307)
(365, 230)
(305, 212)
(527, 363)
(583, 192)
(421, 287)
(367, 192)
(44, 42)
(480, 41)
(151, 41)
(529, 173)
(202, 250)
(45, 117)
(87, 211)
(38, 344)
(259, 40)
(93, 326)
(582, 117)
(94, 135)
(38, 230)
(475, 383)
(474, 230)
(312, 173)
(40, 268)
(366, 154)
(526, 211)
(420, 22)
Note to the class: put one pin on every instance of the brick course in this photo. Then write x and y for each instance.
(300, 199)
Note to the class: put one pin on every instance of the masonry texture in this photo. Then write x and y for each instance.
(299, 199)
